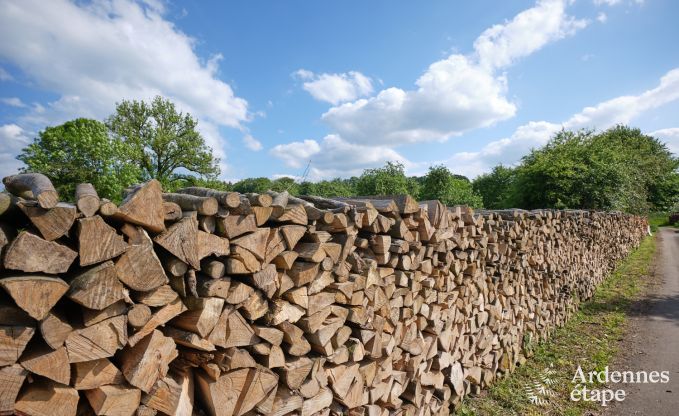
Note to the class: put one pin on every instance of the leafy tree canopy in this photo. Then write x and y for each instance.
(161, 140)
(440, 183)
(79, 151)
(387, 180)
(497, 187)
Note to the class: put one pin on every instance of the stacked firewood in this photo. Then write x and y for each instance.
(217, 303)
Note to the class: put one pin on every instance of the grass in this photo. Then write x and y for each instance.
(660, 219)
(589, 339)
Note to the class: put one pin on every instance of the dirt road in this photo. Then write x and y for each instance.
(652, 341)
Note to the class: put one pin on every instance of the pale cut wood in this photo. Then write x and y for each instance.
(160, 317)
(97, 287)
(13, 341)
(44, 398)
(285, 402)
(262, 214)
(147, 361)
(160, 296)
(292, 234)
(44, 361)
(232, 330)
(89, 375)
(188, 339)
(54, 330)
(202, 315)
(30, 253)
(317, 403)
(108, 208)
(211, 245)
(5, 202)
(33, 186)
(114, 400)
(172, 211)
(233, 226)
(138, 315)
(144, 206)
(52, 223)
(93, 316)
(87, 199)
(201, 204)
(235, 392)
(11, 380)
(35, 294)
(98, 241)
(164, 396)
(97, 341)
(181, 241)
(254, 242)
(139, 267)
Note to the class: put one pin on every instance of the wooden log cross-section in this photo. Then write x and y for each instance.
(219, 303)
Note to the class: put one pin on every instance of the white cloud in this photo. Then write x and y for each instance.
(335, 88)
(334, 157)
(12, 139)
(252, 143)
(670, 136)
(459, 93)
(13, 102)
(606, 2)
(96, 54)
(601, 17)
(619, 110)
(4, 75)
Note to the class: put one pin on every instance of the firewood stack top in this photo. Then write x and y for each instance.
(217, 303)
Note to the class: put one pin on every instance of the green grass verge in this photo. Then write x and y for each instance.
(660, 219)
(589, 339)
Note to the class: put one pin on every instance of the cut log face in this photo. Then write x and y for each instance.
(98, 241)
(139, 267)
(47, 399)
(255, 243)
(87, 199)
(144, 206)
(180, 240)
(160, 317)
(35, 294)
(30, 253)
(148, 360)
(97, 287)
(52, 223)
(114, 400)
(54, 330)
(97, 341)
(89, 375)
(11, 380)
(49, 363)
(202, 318)
(13, 341)
(236, 392)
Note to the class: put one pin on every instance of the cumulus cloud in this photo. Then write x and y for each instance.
(93, 55)
(601, 17)
(670, 136)
(606, 2)
(252, 143)
(335, 88)
(13, 102)
(334, 157)
(619, 110)
(12, 139)
(456, 94)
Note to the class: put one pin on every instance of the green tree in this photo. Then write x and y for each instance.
(162, 140)
(256, 185)
(440, 183)
(79, 151)
(387, 180)
(497, 188)
(618, 169)
(285, 184)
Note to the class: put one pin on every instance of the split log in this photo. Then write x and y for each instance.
(44, 398)
(139, 267)
(11, 380)
(97, 341)
(49, 363)
(89, 375)
(54, 330)
(98, 241)
(97, 287)
(160, 317)
(13, 341)
(144, 206)
(52, 223)
(30, 253)
(33, 186)
(180, 240)
(147, 361)
(35, 294)
(87, 199)
(114, 400)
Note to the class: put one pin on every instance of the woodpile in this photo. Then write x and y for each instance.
(217, 303)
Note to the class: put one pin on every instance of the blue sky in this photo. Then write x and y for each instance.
(346, 85)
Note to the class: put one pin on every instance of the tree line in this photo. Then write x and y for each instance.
(617, 169)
